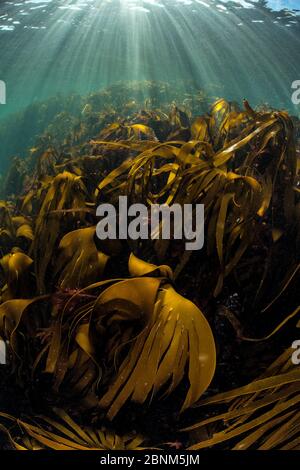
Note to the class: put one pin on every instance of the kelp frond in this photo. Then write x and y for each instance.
(105, 324)
(49, 434)
(263, 415)
(165, 334)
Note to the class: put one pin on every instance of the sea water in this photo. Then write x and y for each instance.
(61, 48)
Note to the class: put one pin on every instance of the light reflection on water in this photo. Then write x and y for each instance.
(64, 46)
(15, 14)
(235, 49)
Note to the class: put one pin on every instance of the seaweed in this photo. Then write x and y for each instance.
(100, 327)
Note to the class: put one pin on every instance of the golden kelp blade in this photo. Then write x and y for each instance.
(23, 227)
(175, 336)
(264, 413)
(11, 315)
(66, 434)
(79, 262)
(16, 267)
(67, 191)
(138, 267)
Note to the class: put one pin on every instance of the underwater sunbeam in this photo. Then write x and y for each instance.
(149, 228)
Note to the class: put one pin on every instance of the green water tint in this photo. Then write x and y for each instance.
(52, 122)
(119, 98)
(74, 46)
(245, 49)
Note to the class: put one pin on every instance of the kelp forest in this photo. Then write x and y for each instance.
(142, 344)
